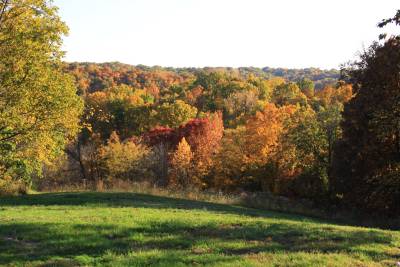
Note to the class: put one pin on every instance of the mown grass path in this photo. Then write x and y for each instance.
(123, 229)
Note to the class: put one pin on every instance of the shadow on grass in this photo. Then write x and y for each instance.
(178, 242)
(138, 201)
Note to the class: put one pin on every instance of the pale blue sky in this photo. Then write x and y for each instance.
(179, 33)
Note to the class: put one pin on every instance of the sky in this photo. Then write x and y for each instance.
(235, 33)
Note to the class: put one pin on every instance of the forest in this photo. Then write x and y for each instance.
(328, 136)
(211, 129)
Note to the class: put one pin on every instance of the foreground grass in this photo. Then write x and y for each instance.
(123, 229)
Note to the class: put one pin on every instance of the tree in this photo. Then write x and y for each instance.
(181, 166)
(265, 87)
(39, 108)
(329, 95)
(175, 114)
(306, 87)
(123, 109)
(288, 94)
(263, 131)
(329, 120)
(239, 105)
(216, 86)
(204, 137)
(308, 136)
(264, 147)
(367, 159)
(231, 168)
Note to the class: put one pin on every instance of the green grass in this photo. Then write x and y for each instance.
(124, 229)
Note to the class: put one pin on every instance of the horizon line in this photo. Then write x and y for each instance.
(199, 67)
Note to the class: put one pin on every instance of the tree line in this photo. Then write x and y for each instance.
(223, 119)
(295, 133)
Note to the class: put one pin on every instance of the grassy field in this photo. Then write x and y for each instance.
(123, 229)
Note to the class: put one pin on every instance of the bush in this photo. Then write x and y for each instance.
(124, 160)
(10, 187)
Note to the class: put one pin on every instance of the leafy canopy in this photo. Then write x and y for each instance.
(39, 108)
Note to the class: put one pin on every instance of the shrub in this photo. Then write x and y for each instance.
(124, 160)
(9, 187)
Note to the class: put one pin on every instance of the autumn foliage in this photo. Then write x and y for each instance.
(202, 136)
(302, 134)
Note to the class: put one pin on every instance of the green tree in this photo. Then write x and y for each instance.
(307, 137)
(306, 87)
(288, 94)
(39, 108)
(123, 109)
(217, 86)
(175, 114)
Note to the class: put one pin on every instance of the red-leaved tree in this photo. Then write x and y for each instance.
(203, 136)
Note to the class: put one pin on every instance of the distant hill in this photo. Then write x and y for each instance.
(116, 70)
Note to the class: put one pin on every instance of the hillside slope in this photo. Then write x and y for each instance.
(123, 229)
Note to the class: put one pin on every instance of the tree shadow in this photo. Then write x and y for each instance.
(21, 243)
(141, 201)
(177, 240)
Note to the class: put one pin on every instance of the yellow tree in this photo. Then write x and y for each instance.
(263, 131)
(264, 145)
(181, 166)
(39, 107)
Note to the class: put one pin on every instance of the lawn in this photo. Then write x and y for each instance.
(124, 229)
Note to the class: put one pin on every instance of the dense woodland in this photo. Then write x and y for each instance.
(330, 137)
(206, 117)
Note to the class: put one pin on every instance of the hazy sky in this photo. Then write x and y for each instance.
(275, 33)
